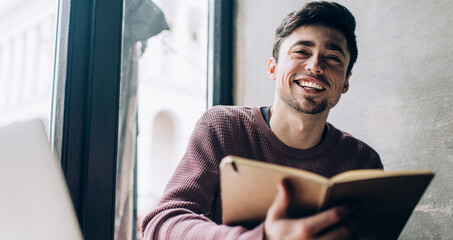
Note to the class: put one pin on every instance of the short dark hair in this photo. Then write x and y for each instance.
(329, 14)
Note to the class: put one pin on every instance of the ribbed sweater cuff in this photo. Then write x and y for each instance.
(255, 234)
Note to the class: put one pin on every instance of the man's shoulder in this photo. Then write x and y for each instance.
(348, 140)
(227, 113)
(343, 135)
(355, 148)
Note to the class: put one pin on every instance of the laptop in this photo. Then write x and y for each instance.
(34, 199)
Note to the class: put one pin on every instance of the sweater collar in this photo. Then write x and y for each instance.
(329, 132)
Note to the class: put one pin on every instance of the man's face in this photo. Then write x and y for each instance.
(311, 69)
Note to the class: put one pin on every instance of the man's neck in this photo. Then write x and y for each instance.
(296, 129)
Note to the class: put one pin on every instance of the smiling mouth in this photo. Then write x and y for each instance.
(310, 86)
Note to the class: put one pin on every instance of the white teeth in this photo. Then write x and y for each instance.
(310, 85)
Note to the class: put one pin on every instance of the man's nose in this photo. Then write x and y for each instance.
(314, 65)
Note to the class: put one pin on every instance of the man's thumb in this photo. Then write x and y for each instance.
(278, 207)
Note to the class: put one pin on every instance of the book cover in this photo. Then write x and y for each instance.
(386, 198)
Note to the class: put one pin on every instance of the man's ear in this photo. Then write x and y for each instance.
(271, 68)
(346, 84)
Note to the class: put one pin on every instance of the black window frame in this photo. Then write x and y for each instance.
(86, 100)
(222, 47)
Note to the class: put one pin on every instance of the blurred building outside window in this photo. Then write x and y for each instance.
(27, 49)
(172, 94)
(163, 94)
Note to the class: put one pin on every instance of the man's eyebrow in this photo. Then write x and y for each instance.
(305, 43)
(330, 46)
(335, 47)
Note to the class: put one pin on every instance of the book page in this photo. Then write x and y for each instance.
(363, 174)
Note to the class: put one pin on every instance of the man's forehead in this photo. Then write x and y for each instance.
(318, 34)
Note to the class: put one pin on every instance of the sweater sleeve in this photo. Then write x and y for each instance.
(188, 206)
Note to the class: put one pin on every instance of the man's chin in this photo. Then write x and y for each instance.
(312, 110)
(307, 105)
(315, 111)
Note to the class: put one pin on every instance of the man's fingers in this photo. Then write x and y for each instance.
(278, 207)
(318, 222)
(321, 225)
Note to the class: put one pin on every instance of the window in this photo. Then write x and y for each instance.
(94, 127)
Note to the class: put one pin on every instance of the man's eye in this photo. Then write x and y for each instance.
(334, 59)
(301, 52)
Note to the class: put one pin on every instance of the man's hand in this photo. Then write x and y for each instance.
(278, 226)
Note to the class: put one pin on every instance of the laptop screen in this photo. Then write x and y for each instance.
(34, 202)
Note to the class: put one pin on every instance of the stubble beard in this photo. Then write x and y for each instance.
(312, 107)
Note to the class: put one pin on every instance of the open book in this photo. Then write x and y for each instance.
(386, 198)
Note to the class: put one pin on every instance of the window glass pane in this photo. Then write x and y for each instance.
(27, 46)
(163, 93)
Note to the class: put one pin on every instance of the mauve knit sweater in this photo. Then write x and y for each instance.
(190, 207)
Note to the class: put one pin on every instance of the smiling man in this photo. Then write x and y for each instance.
(310, 70)
(313, 55)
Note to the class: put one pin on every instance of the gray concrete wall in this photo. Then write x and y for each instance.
(400, 100)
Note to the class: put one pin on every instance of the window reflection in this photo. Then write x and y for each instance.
(172, 81)
(163, 94)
